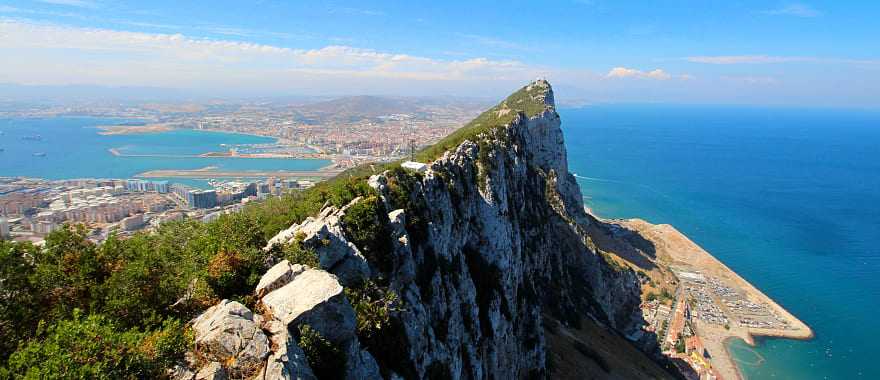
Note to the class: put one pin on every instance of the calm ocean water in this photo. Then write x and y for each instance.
(74, 149)
(788, 198)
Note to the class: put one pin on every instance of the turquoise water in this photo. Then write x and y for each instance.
(74, 149)
(788, 198)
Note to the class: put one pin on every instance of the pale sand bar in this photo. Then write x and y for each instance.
(674, 249)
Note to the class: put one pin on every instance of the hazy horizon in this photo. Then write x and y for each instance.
(816, 54)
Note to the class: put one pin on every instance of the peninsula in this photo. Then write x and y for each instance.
(109, 130)
(703, 298)
(480, 260)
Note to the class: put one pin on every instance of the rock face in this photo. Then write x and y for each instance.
(313, 297)
(324, 235)
(288, 361)
(487, 244)
(498, 242)
(232, 342)
(229, 333)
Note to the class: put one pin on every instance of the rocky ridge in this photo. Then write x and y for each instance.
(486, 251)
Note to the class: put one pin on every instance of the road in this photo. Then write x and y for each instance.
(322, 174)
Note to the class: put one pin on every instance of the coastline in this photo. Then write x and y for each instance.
(676, 250)
(110, 130)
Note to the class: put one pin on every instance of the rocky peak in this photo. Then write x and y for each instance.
(488, 251)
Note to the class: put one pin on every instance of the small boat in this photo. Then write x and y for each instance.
(33, 138)
(39, 154)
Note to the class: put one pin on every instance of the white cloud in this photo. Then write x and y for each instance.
(657, 74)
(54, 54)
(796, 9)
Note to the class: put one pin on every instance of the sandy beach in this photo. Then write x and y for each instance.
(675, 251)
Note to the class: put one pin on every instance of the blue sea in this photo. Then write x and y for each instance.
(788, 198)
(74, 149)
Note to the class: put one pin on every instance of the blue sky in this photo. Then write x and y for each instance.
(817, 53)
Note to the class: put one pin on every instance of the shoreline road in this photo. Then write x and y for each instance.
(323, 174)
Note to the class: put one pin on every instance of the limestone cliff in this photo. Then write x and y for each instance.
(490, 253)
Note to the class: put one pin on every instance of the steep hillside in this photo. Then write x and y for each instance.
(480, 267)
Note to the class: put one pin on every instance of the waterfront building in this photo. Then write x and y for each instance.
(231, 192)
(202, 198)
(161, 186)
(141, 186)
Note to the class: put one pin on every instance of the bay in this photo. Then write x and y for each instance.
(72, 148)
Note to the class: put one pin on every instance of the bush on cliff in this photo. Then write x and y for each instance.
(95, 347)
(325, 358)
(366, 225)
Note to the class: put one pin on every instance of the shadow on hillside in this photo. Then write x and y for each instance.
(627, 244)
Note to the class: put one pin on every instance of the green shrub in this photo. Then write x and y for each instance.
(90, 347)
(325, 358)
(373, 306)
(366, 225)
(296, 254)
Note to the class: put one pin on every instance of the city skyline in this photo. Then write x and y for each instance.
(815, 54)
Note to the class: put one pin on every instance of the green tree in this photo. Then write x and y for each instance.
(69, 272)
(20, 302)
(83, 348)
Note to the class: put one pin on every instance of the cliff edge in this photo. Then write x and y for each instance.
(481, 266)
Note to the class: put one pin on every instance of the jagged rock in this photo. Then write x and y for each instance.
(212, 371)
(324, 234)
(316, 298)
(494, 240)
(180, 372)
(360, 365)
(501, 241)
(402, 255)
(277, 276)
(287, 361)
(229, 333)
(313, 297)
(282, 237)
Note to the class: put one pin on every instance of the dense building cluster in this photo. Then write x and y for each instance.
(348, 131)
(32, 208)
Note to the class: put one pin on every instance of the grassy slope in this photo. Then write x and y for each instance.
(529, 100)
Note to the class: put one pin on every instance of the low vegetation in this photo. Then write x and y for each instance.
(374, 306)
(366, 225)
(77, 309)
(326, 359)
(526, 100)
(134, 292)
